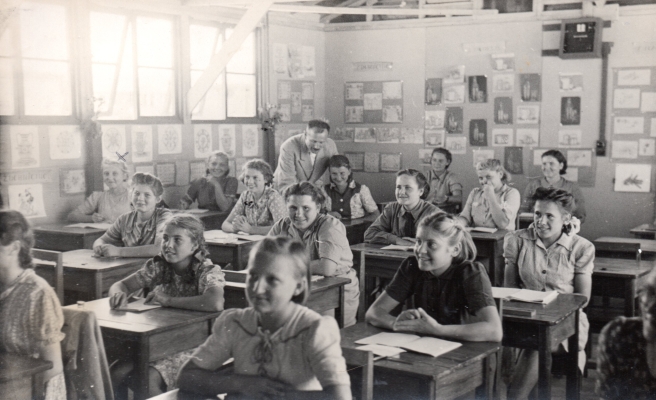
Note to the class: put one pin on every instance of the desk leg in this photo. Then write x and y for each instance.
(141, 370)
(490, 372)
(97, 282)
(339, 312)
(544, 364)
(573, 387)
(362, 278)
(629, 297)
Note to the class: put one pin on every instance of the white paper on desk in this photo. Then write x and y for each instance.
(248, 236)
(534, 296)
(97, 225)
(218, 236)
(398, 247)
(317, 278)
(196, 211)
(389, 339)
(380, 350)
(482, 229)
(138, 305)
(502, 292)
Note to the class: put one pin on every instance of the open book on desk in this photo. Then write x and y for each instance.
(137, 305)
(425, 345)
(525, 295)
(398, 247)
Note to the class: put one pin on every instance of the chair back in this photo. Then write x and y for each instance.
(624, 250)
(365, 359)
(49, 265)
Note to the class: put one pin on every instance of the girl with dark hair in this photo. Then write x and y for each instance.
(260, 205)
(346, 198)
(398, 222)
(451, 292)
(547, 256)
(279, 346)
(216, 191)
(324, 238)
(181, 276)
(31, 317)
(445, 187)
(137, 233)
(554, 165)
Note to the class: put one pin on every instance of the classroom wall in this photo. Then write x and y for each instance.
(420, 53)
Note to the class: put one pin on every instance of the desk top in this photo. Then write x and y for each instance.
(549, 314)
(646, 245)
(14, 366)
(83, 259)
(498, 235)
(617, 267)
(237, 243)
(316, 286)
(375, 250)
(147, 322)
(60, 227)
(421, 364)
(645, 228)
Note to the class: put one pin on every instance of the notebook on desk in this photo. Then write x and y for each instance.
(525, 295)
(137, 305)
(481, 229)
(425, 345)
(398, 247)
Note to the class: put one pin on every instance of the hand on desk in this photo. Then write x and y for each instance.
(241, 224)
(118, 300)
(416, 320)
(107, 250)
(158, 298)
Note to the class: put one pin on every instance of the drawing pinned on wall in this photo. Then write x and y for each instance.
(570, 111)
(342, 134)
(197, 170)
(354, 91)
(633, 178)
(478, 89)
(71, 182)
(503, 62)
(113, 141)
(433, 91)
(579, 158)
(354, 114)
(648, 102)
(296, 102)
(65, 142)
(628, 125)
(435, 138)
(434, 119)
(390, 162)
(478, 132)
(307, 91)
(387, 135)
(285, 111)
(570, 82)
(147, 169)
(626, 98)
(412, 135)
(572, 174)
(371, 162)
(356, 160)
(569, 138)
(502, 137)
(28, 199)
(455, 74)
(250, 140)
(456, 145)
(503, 111)
(279, 55)
(633, 77)
(530, 87)
(503, 83)
(624, 149)
(294, 60)
(482, 155)
(284, 90)
(528, 114)
(528, 137)
(393, 114)
(307, 61)
(373, 101)
(646, 147)
(453, 120)
(514, 160)
(425, 155)
(393, 90)
(142, 143)
(169, 139)
(227, 140)
(202, 141)
(454, 94)
(365, 135)
(166, 173)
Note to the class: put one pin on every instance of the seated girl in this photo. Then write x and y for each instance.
(398, 222)
(260, 205)
(625, 368)
(494, 204)
(345, 198)
(216, 191)
(279, 346)
(445, 187)
(324, 238)
(180, 277)
(544, 257)
(451, 292)
(137, 233)
(109, 205)
(31, 317)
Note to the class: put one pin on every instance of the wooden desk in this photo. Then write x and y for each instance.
(551, 324)
(445, 377)
(326, 294)
(355, 229)
(646, 245)
(149, 336)
(57, 237)
(234, 253)
(21, 378)
(489, 247)
(93, 276)
(615, 277)
(211, 219)
(644, 231)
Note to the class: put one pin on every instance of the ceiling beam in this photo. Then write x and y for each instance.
(217, 64)
(348, 3)
(203, 3)
(372, 11)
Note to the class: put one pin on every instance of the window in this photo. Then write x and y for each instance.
(234, 93)
(36, 43)
(133, 66)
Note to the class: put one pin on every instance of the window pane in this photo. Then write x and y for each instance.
(154, 42)
(124, 103)
(6, 42)
(213, 105)
(6, 87)
(244, 60)
(241, 95)
(47, 87)
(106, 35)
(43, 31)
(202, 40)
(156, 92)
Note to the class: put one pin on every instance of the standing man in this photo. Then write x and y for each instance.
(304, 157)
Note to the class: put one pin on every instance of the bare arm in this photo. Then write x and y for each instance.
(119, 291)
(52, 352)
(583, 285)
(378, 313)
(323, 267)
(223, 201)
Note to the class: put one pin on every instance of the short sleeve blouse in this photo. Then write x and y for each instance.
(266, 210)
(126, 232)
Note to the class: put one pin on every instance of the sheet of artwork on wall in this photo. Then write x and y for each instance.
(169, 139)
(373, 102)
(71, 182)
(113, 141)
(390, 162)
(65, 142)
(356, 160)
(28, 199)
(202, 141)
(296, 100)
(142, 143)
(633, 178)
